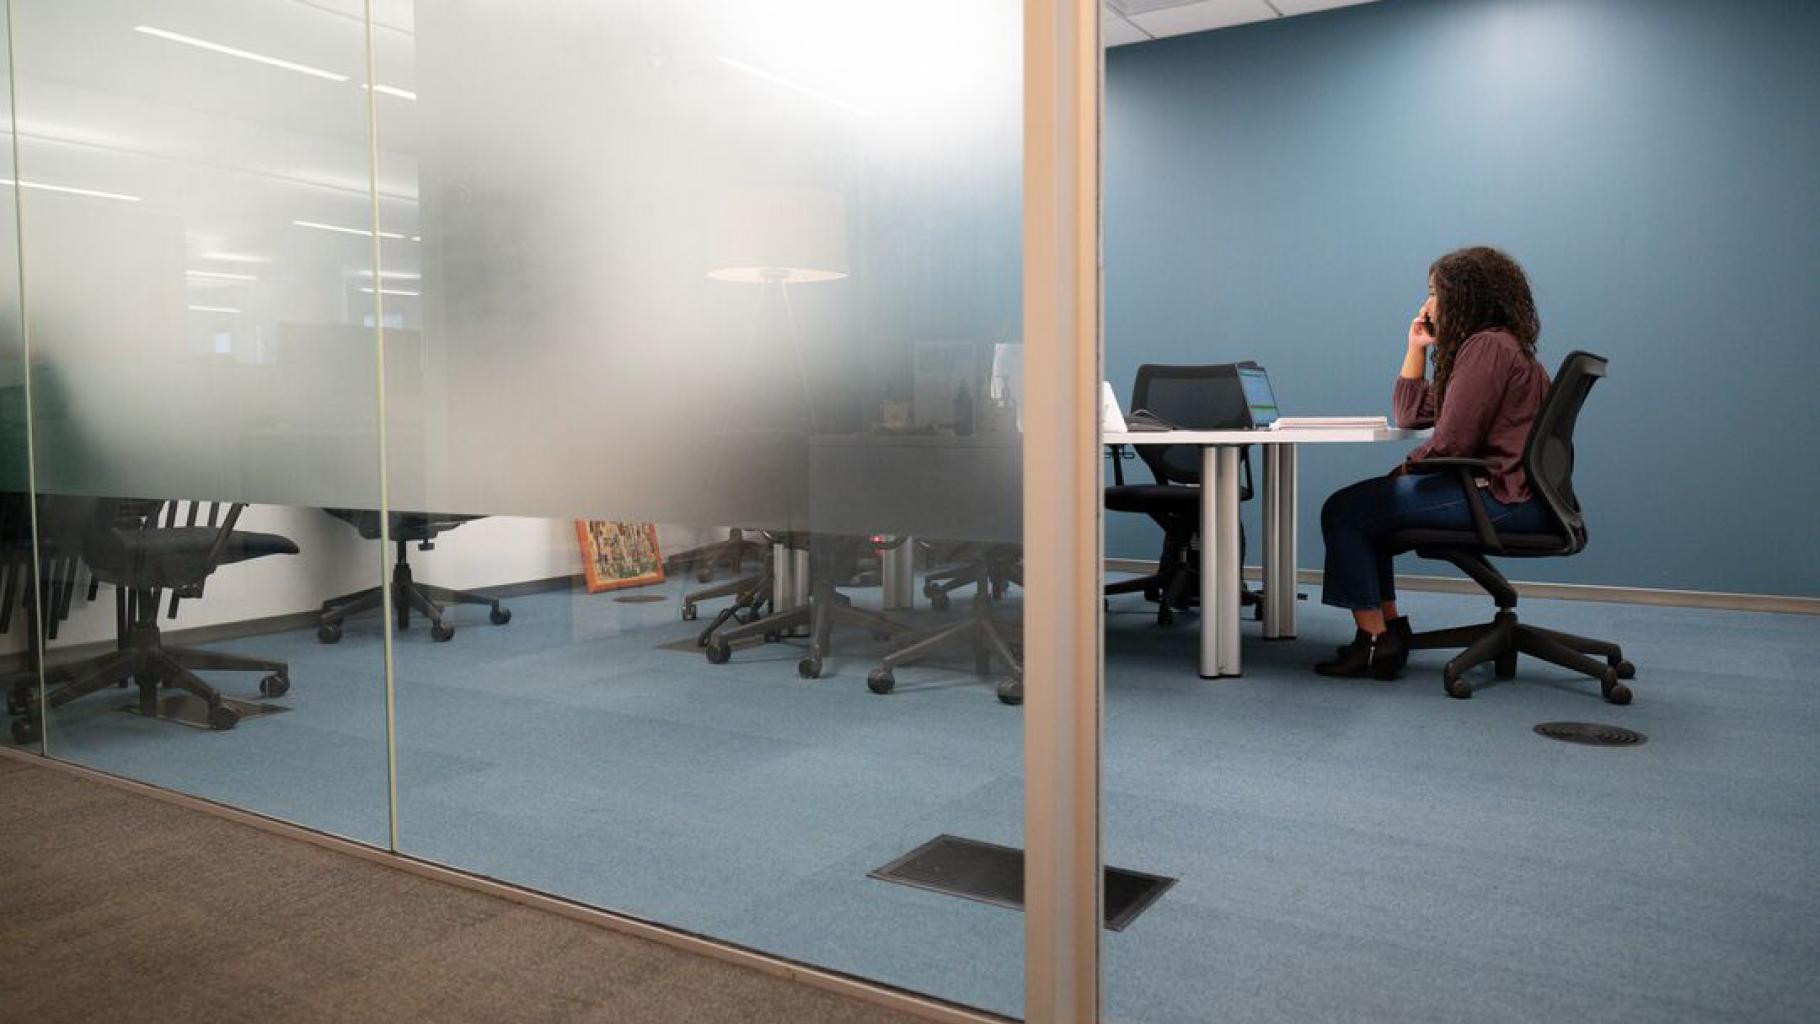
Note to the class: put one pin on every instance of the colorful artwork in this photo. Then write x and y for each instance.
(616, 555)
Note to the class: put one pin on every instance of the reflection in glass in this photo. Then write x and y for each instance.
(203, 379)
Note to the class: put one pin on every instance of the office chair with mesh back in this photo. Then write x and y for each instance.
(1548, 461)
(1186, 396)
(145, 548)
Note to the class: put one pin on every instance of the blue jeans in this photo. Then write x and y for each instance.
(1358, 520)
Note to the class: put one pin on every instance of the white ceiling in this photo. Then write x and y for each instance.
(1134, 21)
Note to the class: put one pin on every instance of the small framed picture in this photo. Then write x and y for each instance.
(615, 555)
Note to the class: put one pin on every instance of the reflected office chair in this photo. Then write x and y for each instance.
(1548, 461)
(1184, 396)
(420, 528)
(144, 549)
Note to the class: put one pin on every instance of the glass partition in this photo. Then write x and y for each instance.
(194, 194)
(705, 322)
(20, 682)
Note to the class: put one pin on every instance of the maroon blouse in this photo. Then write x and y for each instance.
(1493, 396)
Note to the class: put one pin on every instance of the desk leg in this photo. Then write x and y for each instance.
(1279, 541)
(897, 574)
(1219, 562)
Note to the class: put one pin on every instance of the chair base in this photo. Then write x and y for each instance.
(144, 660)
(427, 599)
(992, 638)
(827, 608)
(1502, 639)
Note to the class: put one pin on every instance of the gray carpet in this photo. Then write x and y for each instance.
(117, 907)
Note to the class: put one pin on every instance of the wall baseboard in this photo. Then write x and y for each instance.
(1787, 604)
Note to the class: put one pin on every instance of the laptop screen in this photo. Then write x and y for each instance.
(1258, 396)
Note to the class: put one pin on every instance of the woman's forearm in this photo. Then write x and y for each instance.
(1415, 362)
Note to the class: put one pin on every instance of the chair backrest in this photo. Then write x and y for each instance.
(1186, 396)
(1548, 458)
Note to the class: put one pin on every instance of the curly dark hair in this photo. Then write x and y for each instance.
(1478, 289)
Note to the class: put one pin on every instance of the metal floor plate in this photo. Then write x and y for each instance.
(188, 709)
(989, 873)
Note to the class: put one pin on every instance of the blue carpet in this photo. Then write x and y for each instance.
(1346, 850)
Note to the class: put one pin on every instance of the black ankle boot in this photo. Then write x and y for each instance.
(1380, 657)
(1399, 626)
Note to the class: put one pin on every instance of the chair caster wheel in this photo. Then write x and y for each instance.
(501, 615)
(688, 613)
(1624, 669)
(25, 730)
(1165, 617)
(809, 668)
(1011, 692)
(705, 576)
(442, 633)
(222, 718)
(718, 651)
(1455, 686)
(1505, 667)
(328, 634)
(274, 685)
(939, 601)
(1612, 690)
(881, 681)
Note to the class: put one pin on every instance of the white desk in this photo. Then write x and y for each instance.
(1220, 525)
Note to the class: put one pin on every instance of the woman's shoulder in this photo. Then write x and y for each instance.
(1492, 345)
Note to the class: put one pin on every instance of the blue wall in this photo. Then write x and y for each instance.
(1276, 191)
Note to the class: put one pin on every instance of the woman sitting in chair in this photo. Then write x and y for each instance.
(1481, 322)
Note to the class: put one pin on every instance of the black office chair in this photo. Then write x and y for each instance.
(1548, 461)
(1185, 396)
(420, 528)
(992, 569)
(42, 595)
(833, 563)
(145, 548)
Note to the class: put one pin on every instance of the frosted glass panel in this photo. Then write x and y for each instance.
(195, 208)
(195, 199)
(688, 268)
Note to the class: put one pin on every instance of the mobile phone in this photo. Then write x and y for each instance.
(1428, 324)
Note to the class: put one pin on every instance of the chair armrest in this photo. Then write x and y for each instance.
(1117, 451)
(1468, 472)
(221, 538)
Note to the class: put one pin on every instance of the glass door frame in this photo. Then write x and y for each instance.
(1063, 539)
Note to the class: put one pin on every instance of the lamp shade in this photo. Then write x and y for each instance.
(777, 235)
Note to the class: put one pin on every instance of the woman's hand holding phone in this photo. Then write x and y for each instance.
(1422, 328)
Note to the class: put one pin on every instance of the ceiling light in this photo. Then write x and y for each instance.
(399, 274)
(234, 257)
(213, 309)
(318, 225)
(391, 291)
(221, 276)
(786, 83)
(261, 58)
(391, 90)
(72, 191)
